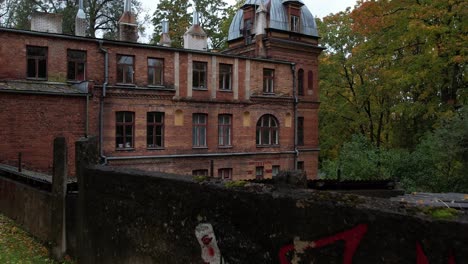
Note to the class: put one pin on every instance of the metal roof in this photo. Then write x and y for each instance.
(278, 19)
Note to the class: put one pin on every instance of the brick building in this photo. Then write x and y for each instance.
(243, 113)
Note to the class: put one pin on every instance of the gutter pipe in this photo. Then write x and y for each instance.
(296, 151)
(101, 101)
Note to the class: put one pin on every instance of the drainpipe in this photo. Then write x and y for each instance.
(293, 70)
(101, 101)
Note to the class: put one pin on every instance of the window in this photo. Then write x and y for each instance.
(199, 130)
(199, 75)
(124, 129)
(310, 80)
(125, 66)
(76, 63)
(300, 131)
(267, 131)
(225, 76)
(155, 130)
(268, 77)
(300, 82)
(248, 31)
(200, 172)
(295, 23)
(275, 170)
(37, 62)
(300, 166)
(155, 71)
(224, 130)
(225, 173)
(259, 173)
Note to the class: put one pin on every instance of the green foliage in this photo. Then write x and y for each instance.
(213, 13)
(199, 179)
(441, 213)
(235, 184)
(16, 246)
(176, 12)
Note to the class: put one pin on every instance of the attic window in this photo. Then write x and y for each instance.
(295, 23)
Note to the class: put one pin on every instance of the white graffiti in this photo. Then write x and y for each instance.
(209, 247)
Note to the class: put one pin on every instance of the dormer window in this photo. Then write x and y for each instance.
(295, 23)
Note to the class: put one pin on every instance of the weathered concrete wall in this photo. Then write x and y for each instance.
(28, 206)
(138, 217)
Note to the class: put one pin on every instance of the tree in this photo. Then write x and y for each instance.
(213, 13)
(102, 15)
(176, 13)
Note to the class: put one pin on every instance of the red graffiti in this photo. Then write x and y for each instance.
(421, 258)
(351, 237)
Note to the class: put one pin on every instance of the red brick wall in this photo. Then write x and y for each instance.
(31, 122)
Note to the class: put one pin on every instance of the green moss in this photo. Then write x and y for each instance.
(233, 184)
(441, 213)
(199, 179)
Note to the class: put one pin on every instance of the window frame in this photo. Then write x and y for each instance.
(295, 23)
(198, 73)
(37, 59)
(272, 131)
(153, 124)
(125, 67)
(157, 69)
(125, 124)
(300, 165)
(224, 130)
(225, 85)
(268, 81)
(273, 168)
(197, 127)
(225, 173)
(75, 63)
(259, 176)
(200, 172)
(300, 131)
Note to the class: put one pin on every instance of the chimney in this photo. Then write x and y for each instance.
(260, 25)
(80, 21)
(128, 28)
(165, 38)
(196, 38)
(46, 22)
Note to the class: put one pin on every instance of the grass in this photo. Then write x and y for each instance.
(18, 247)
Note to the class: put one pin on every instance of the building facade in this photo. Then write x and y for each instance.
(247, 112)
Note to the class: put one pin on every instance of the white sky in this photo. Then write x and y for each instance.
(319, 8)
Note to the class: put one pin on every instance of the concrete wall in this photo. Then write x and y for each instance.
(28, 206)
(137, 217)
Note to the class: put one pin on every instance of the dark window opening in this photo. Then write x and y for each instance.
(300, 82)
(225, 76)
(224, 130)
(125, 69)
(199, 130)
(124, 130)
(310, 80)
(199, 75)
(155, 71)
(275, 170)
(200, 173)
(155, 130)
(225, 173)
(259, 173)
(268, 80)
(76, 66)
(267, 131)
(37, 62)
(295, 23)
(300, 166)
(300, 131)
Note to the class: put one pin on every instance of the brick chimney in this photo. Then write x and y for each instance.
(196, 38)
(165, 38)
(46, 22)
(80, 21)
(128, 28)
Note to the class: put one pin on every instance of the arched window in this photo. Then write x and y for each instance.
(300, 82)
(267, 131)
(310, 80)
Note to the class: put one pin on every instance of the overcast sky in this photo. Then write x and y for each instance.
(319, 8)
